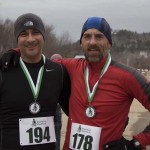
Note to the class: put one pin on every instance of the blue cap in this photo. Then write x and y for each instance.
(99, 24)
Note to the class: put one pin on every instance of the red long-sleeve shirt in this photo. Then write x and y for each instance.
(114, 95)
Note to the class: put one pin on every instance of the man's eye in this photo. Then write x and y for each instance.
(23, 34)
(86, 36)
(99, 36)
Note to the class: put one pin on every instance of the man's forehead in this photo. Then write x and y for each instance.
(30, 30)
(93, 31)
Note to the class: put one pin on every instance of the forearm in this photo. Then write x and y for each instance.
(144, 137)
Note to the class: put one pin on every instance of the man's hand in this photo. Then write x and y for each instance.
(9, 57)
(133, 145)
(123, 144)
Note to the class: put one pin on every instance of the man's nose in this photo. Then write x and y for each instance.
(93, 40)
(30, 38)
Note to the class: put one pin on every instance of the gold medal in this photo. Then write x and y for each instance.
(90, 112)
(34, 108)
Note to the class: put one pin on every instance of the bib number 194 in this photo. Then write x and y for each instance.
(38, 134)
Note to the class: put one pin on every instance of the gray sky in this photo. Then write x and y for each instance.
(69, 15)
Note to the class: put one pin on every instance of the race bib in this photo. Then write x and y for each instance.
(37, 130)
(84, 137)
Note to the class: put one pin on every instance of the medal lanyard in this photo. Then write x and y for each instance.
(86, 77)
(35, 89)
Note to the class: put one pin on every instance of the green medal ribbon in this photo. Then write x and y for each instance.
(86, 77)
(35, 89)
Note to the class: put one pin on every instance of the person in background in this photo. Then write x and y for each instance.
(102, 91)
(29, 93)
(58, 115)
(56, 57)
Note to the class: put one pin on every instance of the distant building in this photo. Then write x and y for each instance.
(144, 54)
(79, 56)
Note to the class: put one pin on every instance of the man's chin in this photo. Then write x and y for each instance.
(31, 49)
(93, 59)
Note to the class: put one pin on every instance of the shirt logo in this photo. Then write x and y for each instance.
(48, 70)
(28, 23)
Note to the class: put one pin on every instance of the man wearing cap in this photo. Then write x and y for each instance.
(29, 93)
(102, 91)
(101, 95)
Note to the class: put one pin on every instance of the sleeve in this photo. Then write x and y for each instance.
(144, 137)
(58, 125)
(16, 49)
(1, 79)
(65, 93)
(139, 86)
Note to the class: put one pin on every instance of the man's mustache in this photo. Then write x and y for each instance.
(31, 44)
(94, 47)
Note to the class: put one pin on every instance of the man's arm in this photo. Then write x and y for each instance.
(66, 89)
(58, 125)
(144, 137)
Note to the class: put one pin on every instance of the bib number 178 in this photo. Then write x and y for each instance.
(82, 140)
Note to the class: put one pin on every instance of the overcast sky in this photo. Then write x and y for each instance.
(69, 15)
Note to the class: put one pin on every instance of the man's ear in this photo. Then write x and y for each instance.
(81, 45)
(109, 45)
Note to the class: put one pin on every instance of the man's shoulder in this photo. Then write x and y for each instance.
(52, 64)
(123, 66)
(68, 63)
(71, 62)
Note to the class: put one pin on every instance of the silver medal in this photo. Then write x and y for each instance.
(34, 108)
(90, 112)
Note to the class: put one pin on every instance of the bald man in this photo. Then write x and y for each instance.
(56, 56)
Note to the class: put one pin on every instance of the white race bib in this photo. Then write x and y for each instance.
(84, 137)
(37, 130)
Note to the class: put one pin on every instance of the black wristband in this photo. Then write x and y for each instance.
(137, 144)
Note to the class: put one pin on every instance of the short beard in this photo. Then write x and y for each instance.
(93, 59)
(96, 58)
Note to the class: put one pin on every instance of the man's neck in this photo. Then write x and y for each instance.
(31, 59)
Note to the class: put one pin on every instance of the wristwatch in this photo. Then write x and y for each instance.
(137, 144)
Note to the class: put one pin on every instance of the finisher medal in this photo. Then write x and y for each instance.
(34, 108)
(90, 112)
